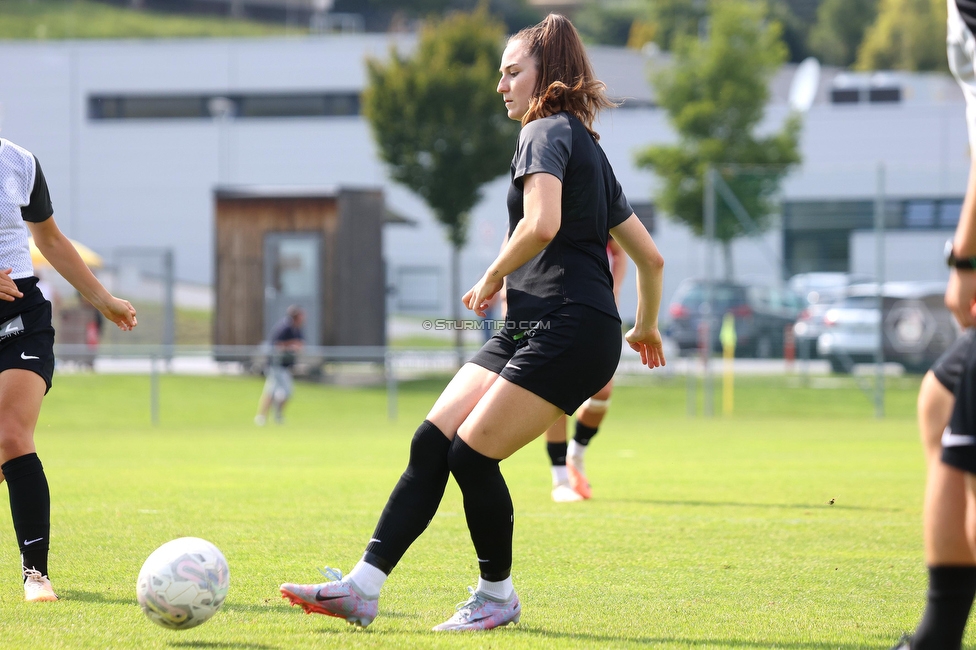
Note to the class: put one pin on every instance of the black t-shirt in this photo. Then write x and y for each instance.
(967, 10)
(284, 332)
(574, 267)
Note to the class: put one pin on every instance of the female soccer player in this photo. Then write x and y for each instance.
(27, 349)
(561, 343)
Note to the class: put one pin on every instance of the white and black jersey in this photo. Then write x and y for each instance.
(967, 11)
(26, 334)
(573, 268)
(23, 197)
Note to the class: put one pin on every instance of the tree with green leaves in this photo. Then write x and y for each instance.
(675, 19)
(715, 93)
(439, 123)
(840, 29)
(907, 35)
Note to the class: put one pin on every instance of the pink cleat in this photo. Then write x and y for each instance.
(37, 588)
(338, 597)
(481, 613)
(577, 477)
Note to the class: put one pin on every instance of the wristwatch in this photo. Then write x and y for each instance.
(963, 263)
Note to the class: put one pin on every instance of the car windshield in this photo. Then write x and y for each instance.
(722, 295)
(859, 302)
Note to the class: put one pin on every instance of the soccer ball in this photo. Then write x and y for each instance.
(183, 583)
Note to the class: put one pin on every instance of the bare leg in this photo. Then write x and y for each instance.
(557, 432)
(947, 511)
(21, 393)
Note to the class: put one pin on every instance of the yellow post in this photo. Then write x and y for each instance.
(728, 339)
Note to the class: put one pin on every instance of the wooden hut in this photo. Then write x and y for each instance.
(318, 248)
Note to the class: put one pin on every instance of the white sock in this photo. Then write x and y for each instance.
(575, 449)
(368, 579)
(559, 474)
(500, 591)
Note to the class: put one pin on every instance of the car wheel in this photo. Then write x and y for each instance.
(837, 366)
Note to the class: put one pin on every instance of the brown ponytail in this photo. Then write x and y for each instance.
(566, 81)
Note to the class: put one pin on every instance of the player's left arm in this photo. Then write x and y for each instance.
(644, 337)
(60, 252)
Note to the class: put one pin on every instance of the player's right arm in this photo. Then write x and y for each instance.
(8, 288)
(961, 291)
(61, 253)
(644, 337)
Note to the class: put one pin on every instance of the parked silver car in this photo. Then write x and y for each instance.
(820, 291)
(917, 326)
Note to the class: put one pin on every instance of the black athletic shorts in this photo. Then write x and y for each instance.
(948, 368)
(565, 357)
(959, 438)
(27, 342)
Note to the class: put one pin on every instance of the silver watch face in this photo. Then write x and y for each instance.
(947, 252)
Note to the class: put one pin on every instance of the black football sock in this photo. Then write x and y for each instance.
(557, 453)
(414, 500)
(30, 509)
(949, 599)
(487, 508)
(584, 433)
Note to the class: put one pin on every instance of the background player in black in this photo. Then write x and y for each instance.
(287, 340)
(27, 352)
(569, 481)
(560, 346)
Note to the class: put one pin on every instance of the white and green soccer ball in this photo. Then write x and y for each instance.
(183, 583)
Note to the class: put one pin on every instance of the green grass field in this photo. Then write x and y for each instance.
(702, 533)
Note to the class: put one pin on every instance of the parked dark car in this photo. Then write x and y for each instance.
(761, 313)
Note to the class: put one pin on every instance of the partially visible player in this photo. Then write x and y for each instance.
(27, 349)
(951, 488)
(569, 482)
(287, 341)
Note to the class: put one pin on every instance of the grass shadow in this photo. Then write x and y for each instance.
(102, 599)
(740, 504)
(94, 597)
(220, 644)
(602, 640)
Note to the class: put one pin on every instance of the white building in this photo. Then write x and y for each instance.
(133, 145)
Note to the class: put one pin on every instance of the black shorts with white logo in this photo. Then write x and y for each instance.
(948, 368)
(959, 438)
(565, 357)
(27, 342)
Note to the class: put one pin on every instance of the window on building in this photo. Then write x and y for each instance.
(240, 106)
(949, 210)
(920, 214)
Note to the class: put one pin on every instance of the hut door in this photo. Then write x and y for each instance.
(291, 277)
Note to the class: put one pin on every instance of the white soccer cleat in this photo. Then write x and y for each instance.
(482, 613)
(37, 588)
(563, 493)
